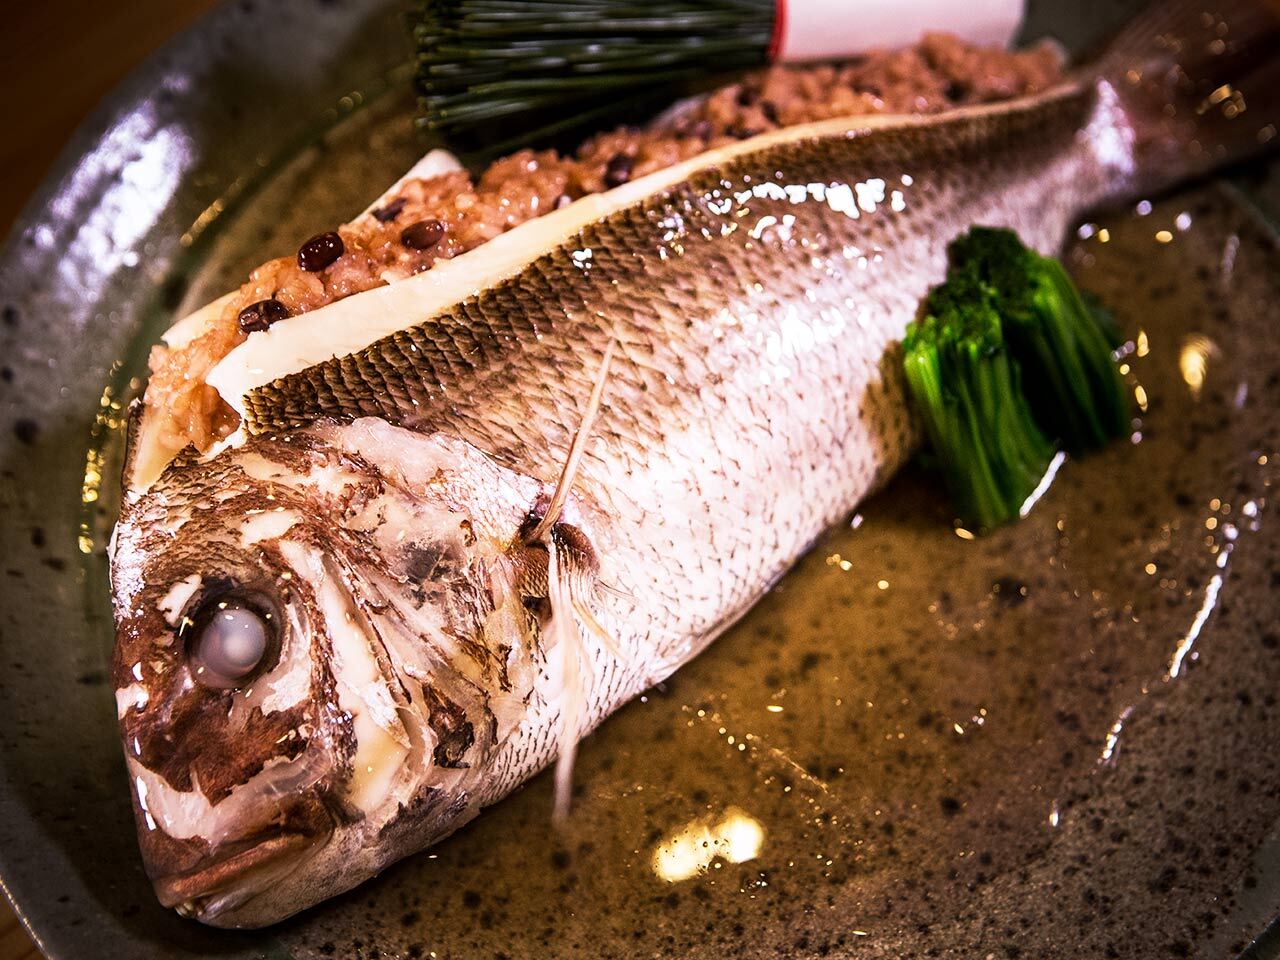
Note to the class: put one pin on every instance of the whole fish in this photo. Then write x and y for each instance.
(469, 514)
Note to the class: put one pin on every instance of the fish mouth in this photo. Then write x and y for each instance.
(188, 891)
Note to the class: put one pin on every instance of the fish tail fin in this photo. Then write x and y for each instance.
(1199, 84)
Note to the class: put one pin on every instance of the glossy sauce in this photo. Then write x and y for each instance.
(1055, 740)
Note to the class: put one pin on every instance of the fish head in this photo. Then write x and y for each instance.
(321, 649)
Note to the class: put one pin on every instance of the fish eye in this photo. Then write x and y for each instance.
(228, 641)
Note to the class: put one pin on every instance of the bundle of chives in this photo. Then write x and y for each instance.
(514, 70)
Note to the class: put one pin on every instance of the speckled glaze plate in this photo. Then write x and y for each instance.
(1057, 741)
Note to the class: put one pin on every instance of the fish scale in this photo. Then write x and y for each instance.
(756, 298)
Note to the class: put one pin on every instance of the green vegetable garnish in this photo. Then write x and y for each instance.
(1006, 363)
(1069, 376)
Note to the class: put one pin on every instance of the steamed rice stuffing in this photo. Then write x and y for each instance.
(439, 218)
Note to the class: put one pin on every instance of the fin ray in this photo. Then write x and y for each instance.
(576, 449)
(574, 678)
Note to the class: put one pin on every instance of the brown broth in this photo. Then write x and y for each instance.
(1055, 740)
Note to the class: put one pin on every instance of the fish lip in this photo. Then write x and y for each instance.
(184, 890)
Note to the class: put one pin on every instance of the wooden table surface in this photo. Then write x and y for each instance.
(57, 60)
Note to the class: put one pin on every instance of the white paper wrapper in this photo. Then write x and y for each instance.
(827, 29)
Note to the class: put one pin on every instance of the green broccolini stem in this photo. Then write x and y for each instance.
(991, 453)
(1073, 386)
(1006, 359)
(1062, 346)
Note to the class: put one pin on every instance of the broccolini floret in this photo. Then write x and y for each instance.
(1064, 350)
(1005, 363)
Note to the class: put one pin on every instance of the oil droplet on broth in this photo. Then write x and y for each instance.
(736, 837)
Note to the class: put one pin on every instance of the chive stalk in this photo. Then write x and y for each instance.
(517, 71)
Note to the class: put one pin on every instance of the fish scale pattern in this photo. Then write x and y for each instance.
(755, 394)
